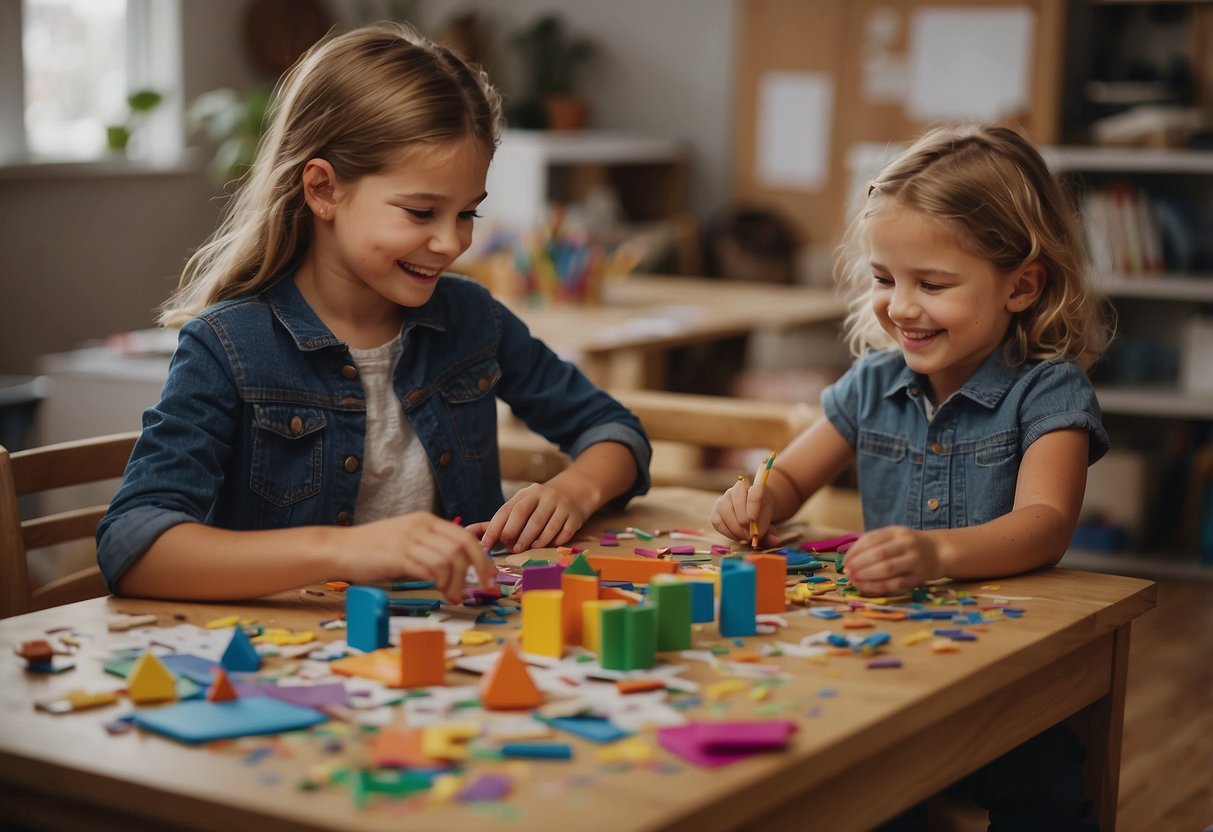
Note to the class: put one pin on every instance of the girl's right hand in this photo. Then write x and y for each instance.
(421, 546)
(733, 510)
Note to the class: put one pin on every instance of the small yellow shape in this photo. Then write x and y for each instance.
(472, 638)
(150, 681)
(82, 699)
(444, 787)
(632, 750)
(719, 690)
(226, 621)
(448, 741)
(916, 637)
(760, 693)
(281, 637)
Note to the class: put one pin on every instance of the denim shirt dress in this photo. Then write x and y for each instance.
(960, 469)
(262, 420)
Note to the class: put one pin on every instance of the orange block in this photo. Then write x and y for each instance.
(638, 685)
(577, 590)
(395, 747)
(769, 573)
(636, 569)
(422, 658)
(221, 689)
(509, 686)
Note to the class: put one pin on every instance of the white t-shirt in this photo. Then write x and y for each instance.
(396, 475)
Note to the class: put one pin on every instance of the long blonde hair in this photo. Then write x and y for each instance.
(357, 100)
(995, 191)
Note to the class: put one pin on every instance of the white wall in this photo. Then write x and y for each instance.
(84, 257)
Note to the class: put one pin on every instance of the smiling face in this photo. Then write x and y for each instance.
(947, 309)
(391, 234)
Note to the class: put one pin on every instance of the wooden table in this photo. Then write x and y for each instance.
(620, 343)
(870, 742)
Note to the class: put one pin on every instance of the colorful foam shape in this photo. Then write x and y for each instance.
(150, 681)
(592, 728)
(546, 576)
(577, 590)
(366, 618)
(201, 721)
(629, 568)
(240, 655)
(591, 622)
(703, 601)
(422, 658)
(580, 566)
(769, 573)
(508, 686)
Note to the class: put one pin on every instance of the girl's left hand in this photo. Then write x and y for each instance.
(891, 560)
(537, 516)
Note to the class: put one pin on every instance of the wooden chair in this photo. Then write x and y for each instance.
(39, 470)
(682, 426)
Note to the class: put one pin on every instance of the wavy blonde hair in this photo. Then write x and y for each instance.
(357, 100)
(995, 192)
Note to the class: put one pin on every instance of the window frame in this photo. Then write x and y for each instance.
(153, 61)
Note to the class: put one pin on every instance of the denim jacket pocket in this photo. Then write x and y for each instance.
(288, 452)
(470, 401)
(997, 449)
(884, 445)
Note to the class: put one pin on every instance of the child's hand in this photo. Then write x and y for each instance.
(419, 545)
(891, 560)
(732, 511)
(537, 516)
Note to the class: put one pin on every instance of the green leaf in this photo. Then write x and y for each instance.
(144, 100)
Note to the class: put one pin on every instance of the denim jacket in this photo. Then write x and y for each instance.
(262, 421)
(959, 469)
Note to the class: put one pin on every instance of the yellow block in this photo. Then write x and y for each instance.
(448, 741)
(542, 632)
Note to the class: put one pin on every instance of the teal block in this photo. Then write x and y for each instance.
(738, 598)
(366, 618)
(703, 601)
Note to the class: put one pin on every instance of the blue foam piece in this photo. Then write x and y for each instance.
(538, 750)
(240, 656)
(703, 602)
(366, 618)
(593, 728)
(202, 721)
(194, 668)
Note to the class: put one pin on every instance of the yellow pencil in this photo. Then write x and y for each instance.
(766, 473)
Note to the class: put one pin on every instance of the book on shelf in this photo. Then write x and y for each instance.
(1121, 232)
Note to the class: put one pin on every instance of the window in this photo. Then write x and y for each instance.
(68, 67)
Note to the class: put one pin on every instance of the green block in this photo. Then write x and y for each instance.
(640, 636)
(611, 652)
(673, 602)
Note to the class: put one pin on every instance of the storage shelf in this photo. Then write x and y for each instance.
(1169, 286)
(1146, 400)
(1127, 160)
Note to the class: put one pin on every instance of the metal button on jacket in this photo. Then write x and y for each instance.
(350, 464)
(933, 503)
(936, 448)
(445, 459)
(349, 371)
(296, 425)
(343, 519)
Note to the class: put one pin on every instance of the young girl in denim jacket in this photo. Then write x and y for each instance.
(331, 405)
(968, 414)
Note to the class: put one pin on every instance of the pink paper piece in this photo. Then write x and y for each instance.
(743, 735)
(683, 740)
(830, 544)
(305, 696)
(541, 577)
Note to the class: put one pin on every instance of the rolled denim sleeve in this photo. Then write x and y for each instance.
(177, 466)
(840, 404)
(557, 401)
(1062, 398)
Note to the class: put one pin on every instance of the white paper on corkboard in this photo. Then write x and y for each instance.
(794, 116)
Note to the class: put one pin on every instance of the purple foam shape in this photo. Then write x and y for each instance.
(884, 661)
(507, 578)
(541, 577)
(830, 544)
(486, 787)
(305, 696)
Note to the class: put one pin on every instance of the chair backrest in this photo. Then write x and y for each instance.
(44, 469)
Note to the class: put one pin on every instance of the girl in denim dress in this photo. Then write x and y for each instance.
(331, 405)
(968, 414)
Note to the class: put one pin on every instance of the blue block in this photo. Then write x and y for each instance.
(538, 750)
(366, 617)
(592, 728)
(703, 602)
(738, 598)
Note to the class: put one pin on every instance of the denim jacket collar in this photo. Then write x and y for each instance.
(310, 333)
(987, 386)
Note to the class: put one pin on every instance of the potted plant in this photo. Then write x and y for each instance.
(551, 60)
(140, 103)
(233, 121)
